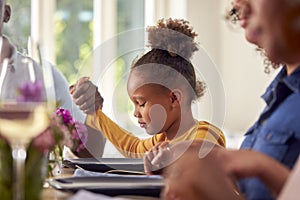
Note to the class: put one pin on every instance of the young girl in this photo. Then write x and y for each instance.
(162, 86)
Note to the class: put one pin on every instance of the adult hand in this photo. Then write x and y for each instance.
(242, 163)
(194, 176)
(249, 163)
(86, 96)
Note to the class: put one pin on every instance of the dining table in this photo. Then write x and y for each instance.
(50, 193)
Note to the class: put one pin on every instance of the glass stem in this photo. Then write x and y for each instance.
(19, 158)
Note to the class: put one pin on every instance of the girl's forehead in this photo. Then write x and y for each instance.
(138, 79)
(153, 74)
(144, 93)
(134, 81)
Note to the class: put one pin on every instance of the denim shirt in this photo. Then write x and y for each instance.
(277, 131)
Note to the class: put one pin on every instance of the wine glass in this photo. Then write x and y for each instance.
(24, 111)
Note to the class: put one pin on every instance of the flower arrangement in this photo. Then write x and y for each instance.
(63, 130)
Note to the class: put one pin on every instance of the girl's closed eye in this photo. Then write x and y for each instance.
(141, 104)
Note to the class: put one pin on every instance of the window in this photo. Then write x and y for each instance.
(73, 31)
(130, 17)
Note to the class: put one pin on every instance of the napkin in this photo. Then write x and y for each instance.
(83, 194)
(85, 173)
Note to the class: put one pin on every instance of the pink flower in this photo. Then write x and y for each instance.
(73, 133)
(80, 135)
(66, 116)
(44, 141)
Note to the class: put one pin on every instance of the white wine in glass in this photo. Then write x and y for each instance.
(21, 119)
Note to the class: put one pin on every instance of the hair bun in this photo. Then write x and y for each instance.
(173, 35)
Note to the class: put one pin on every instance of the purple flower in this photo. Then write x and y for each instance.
(30, 92)
(75, 136)
(66, 116)
(80, 135)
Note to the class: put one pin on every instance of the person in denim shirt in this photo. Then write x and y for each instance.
(276, 132)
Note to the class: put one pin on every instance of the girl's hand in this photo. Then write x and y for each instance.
(155, 159)
(86, 96)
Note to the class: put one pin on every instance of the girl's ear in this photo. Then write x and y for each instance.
(176, 97)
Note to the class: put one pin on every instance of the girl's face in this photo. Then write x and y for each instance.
(155, 106)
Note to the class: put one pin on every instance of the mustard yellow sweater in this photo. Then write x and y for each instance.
(131, 146)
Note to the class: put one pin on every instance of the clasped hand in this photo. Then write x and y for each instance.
(86, 96)
(157, 158)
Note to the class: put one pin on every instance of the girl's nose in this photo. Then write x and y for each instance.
(136, 113)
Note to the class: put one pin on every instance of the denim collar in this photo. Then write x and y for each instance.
(292, 82)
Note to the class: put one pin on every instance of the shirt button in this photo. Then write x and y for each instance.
(269, 136)
(263, 122)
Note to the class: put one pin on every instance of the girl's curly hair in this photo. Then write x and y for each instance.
(172, 44)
